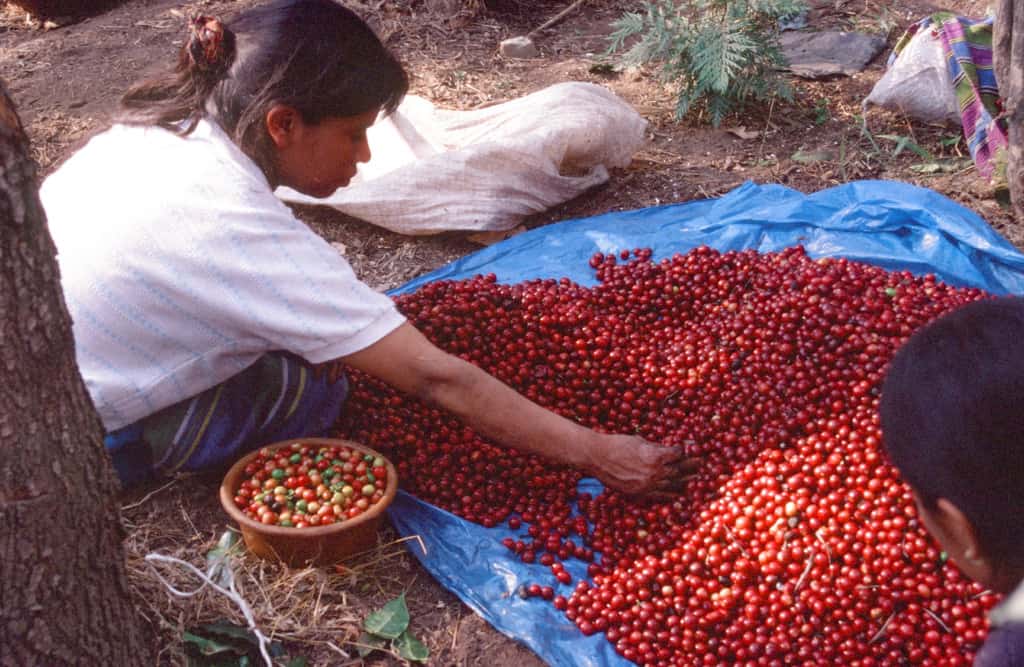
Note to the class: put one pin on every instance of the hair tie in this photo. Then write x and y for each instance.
(206, 43)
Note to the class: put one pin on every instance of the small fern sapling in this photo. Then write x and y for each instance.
(719, 53)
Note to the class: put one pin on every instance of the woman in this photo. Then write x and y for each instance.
(200, 303)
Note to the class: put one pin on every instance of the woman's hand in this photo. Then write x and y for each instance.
(633, 465)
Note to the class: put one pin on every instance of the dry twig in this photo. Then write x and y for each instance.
(554, 20)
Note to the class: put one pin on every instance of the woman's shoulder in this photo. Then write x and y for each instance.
(132, 182)
(137, 165)
(153, 155)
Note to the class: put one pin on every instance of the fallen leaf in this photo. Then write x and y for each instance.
(209, 647)
(941, 166)
(389, 621)
(808, 157)
(369, 643)
(743, 133)
(410, 648)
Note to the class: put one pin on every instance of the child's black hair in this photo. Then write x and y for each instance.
(952, 412)
(315, 56)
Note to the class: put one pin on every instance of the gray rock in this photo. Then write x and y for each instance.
(814, 55)
(796, 21)
(519, 47)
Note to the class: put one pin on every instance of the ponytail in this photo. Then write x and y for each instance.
(177, 100)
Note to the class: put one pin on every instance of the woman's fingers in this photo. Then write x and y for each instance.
(674, 471)
(635, 466)
(675, 484)
(689, 466)
(675, 464)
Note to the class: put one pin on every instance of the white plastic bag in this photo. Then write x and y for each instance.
(918, 82)
(434, 170)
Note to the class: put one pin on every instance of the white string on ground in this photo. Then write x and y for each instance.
(230, 592)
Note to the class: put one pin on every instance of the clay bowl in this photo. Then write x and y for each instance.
(314, 545)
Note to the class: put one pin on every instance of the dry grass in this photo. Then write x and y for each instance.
(314, 612)
(50, 147)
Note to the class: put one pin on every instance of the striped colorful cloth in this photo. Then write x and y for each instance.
(968, 47)
(277, 398)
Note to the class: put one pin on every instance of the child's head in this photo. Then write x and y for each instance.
(952, 414)
(313, 56)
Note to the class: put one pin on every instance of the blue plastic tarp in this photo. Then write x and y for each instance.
(889, 224)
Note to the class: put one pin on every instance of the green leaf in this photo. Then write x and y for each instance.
(228, 631)
(720, 55)
(906, 143)
(866, 133)
(227, 541)
(224, 644)
(298, 662)
(410, 648)
(218, 559)
(389, 621)
(810, 157)
(718, 107)
(941, 166)
(368, 643)
(209, 647)
(822, 114)
(950, 141)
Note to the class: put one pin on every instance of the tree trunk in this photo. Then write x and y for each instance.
(1008, 52)
(51, 9)
(64, 596)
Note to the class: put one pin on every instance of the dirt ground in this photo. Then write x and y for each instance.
(66, 79)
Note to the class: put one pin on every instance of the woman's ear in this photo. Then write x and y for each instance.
(282, 123)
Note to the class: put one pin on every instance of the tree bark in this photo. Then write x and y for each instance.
(64, 596)
(1008, 54)
(49, 9)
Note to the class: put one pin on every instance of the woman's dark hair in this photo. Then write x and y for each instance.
(312, 55)
(952, 413)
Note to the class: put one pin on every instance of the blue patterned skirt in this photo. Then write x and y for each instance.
(277, 398)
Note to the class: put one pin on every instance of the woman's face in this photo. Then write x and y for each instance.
(317, 159)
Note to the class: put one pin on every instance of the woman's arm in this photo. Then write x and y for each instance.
(406, 360)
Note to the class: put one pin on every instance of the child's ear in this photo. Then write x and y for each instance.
(964, 539)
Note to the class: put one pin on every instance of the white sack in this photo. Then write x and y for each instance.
(918, 82)
(434, 170)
